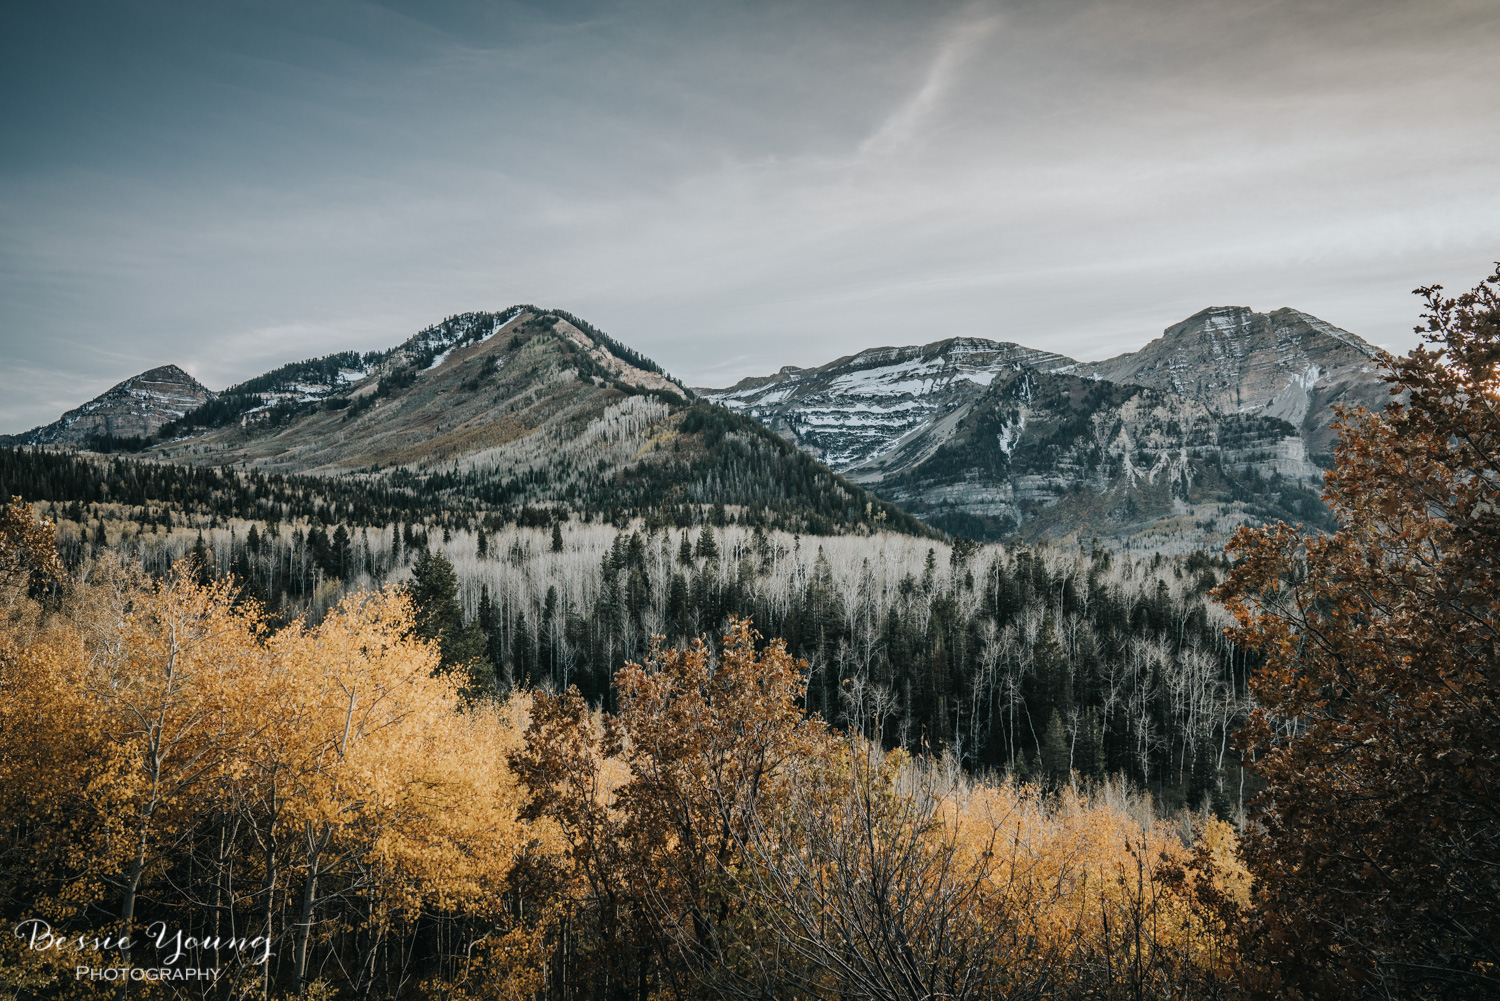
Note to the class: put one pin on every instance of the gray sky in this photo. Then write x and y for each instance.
(727, 187)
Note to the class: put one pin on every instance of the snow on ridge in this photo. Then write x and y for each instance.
(917, 375)
(499, 324)
(839, 406)
(824, 419)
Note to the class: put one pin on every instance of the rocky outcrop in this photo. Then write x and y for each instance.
(857, 409)
(1053, 454)
(1285, 364)
(135, 408)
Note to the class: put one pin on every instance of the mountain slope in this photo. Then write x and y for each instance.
(135, 408)
(1286, 364)
(859, 407)
(528, 407)
(1053, 454)
(1222, 419)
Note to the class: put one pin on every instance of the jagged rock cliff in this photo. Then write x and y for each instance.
(1053, 454)
(1284, 364)
(857, 408)
(135, 408)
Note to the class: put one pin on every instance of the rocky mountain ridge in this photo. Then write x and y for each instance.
(1222, 420)
(1286, 364)
(1052, 454)
(135, 408)
(858, 407)
(523, 408)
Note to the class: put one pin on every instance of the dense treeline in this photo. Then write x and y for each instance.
(1042, 661)
(715, 458)
(152, 493)
(325, 371)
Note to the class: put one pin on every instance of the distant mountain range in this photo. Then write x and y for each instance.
(527, 407)
(1286, 364)
(1223, 420)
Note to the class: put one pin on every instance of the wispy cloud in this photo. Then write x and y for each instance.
(904, 125)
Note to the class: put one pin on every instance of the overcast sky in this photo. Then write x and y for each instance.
(727, 187)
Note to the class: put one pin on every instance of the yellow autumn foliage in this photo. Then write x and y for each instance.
(164, 757)
(721, 843)
(1090, 873)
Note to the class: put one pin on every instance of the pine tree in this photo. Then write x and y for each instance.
(341, 556)
(707, 549)
(434, 595)
(201, 558)
(522, 651)
(1054, 749)
(557, 537)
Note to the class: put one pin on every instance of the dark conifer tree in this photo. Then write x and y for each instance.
(201, 558)
(708, 548)
(341, 561)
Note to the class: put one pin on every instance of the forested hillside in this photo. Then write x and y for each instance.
(1038, 660)
(475, 417)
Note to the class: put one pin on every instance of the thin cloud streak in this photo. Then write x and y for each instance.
(905, 123)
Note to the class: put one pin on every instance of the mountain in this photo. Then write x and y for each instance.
(858, 407)
(527, 407)
(135, 408)
(1050, 454)
(1285, 364)
(1220, 421)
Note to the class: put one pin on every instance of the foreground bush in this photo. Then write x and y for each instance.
(724, 843)
(1377, 852)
